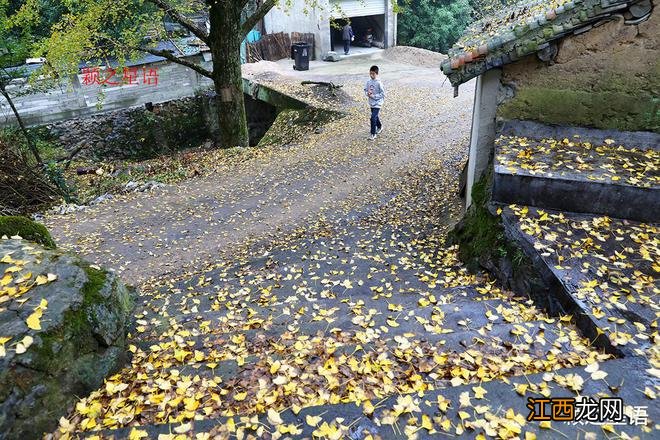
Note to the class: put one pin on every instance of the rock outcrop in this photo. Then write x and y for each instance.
(63, 326)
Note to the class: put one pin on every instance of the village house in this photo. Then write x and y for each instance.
(578, 63)
(367, 17)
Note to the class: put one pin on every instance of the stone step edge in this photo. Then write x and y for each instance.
(564, 194)
(562, 300)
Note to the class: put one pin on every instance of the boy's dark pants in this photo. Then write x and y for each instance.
(375, 120)
(347, 46)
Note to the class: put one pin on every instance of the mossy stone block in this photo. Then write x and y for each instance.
(11, 225)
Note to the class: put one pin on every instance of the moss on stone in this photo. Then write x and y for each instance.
(605, 110)
(480, 235)
(11, 225)
(96, 279)
(291, 124)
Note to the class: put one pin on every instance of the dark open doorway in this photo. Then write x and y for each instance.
(369, 32)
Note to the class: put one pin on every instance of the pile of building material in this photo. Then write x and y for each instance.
(271, 47)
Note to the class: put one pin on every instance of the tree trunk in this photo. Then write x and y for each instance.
(28, 138)
(225, 44)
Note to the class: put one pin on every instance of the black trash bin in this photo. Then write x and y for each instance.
(300, 53)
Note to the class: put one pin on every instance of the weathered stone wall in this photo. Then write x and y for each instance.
(136, 132)
(608, 77)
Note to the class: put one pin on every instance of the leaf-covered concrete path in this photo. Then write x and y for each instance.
(306, 290)
(274, 191)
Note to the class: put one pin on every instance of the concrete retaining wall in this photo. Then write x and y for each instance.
(74, 100)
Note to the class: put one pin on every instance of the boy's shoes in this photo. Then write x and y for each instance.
(379, 130)
(372, 137)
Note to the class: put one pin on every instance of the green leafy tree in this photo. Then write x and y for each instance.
(122, 29)
(17, 23)
(433, 24)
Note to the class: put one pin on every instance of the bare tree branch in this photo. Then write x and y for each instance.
(168, 55)
(181, 19)
(19, 120)
(253, 19)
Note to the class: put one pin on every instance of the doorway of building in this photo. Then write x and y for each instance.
(369, 33)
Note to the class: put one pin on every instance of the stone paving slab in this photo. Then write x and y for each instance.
(607, 270)
(456, 411)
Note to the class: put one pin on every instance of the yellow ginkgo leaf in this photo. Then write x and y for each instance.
(479, 392)
(522, 388)
(137, 434)
(34, 320)
(608, 428)
(5, 280)
(274, 417)
(312, 420)
(427, 423)
(182, 429)
(592, 368)
(25, 343)
(464, 399)
(280, 380)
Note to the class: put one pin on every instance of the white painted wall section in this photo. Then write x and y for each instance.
(301, 18)
(482, 137)
(358, 8)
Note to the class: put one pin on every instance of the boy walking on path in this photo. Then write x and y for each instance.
(376, 94)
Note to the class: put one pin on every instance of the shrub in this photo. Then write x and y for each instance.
(24, 186)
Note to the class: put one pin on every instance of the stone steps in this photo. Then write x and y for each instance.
(578, 170)
(497, 350)
(602, 269)
(539, 333)
(360, 313)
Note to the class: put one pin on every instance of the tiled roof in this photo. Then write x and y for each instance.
(529, 27)
(190, 45)
(26, 70)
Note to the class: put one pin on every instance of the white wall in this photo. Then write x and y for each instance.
(315, 21)
(482, 137)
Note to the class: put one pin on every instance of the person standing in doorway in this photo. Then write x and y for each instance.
(376, 94)
(348, 36)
